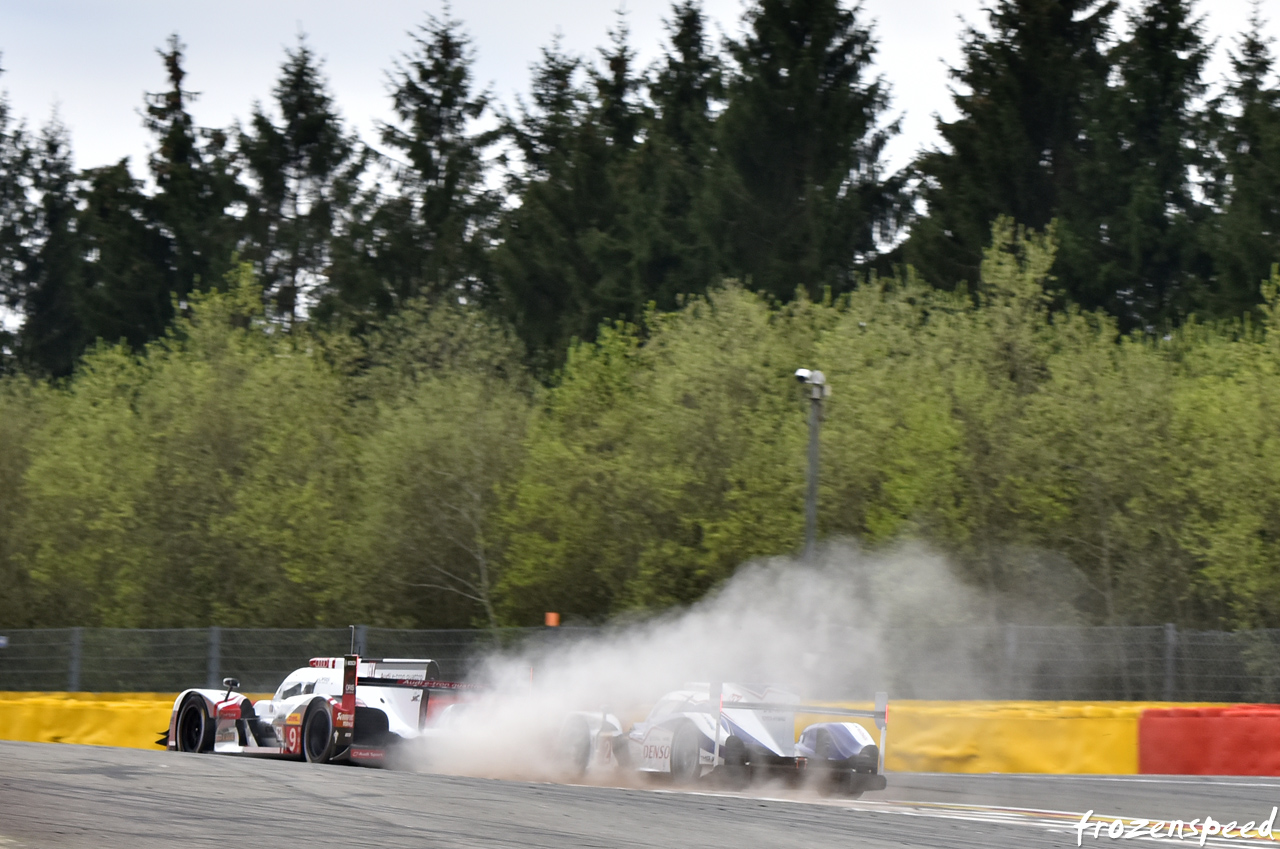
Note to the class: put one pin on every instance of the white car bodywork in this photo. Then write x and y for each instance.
(741, 731)
(650, 742)
(365, 709)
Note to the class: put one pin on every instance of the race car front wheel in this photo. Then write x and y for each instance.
(195, 729)
(575, 747)
(685, 768)
(736, 768)
(317, 736)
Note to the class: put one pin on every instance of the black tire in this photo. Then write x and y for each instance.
(317, 736)
(828, 777)
(685, 769)
(842, 784)
(737, 771)
(194, 730)
(833, 780)
(575, 747)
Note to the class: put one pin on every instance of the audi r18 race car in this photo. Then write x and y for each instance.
(738, 733)
(334, 709)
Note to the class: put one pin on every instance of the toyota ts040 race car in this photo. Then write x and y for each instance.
(335, 709)
(736, 733)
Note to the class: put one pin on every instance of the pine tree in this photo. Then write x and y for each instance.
(304, 172)
(107, 258)
(804, 197)
(671, 248)
(1026, 95)
(1150, 264)
(53, 334)
(617, 86)
(195, 184)
(429, 233)
(124, 286)
(1245, 236)
(542, 272)
(561, 265)
(15, 220)
(610, 138)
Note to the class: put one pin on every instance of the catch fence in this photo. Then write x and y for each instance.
(104, 660)
(990, 662)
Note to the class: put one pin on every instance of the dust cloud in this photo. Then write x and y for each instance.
(823, 629)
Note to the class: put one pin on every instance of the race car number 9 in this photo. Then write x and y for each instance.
(291, 736)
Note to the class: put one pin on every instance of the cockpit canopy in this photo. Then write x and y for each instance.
(306, 681)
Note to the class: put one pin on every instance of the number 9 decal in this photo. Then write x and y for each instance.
(291, 737)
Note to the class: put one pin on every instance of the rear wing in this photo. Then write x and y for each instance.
(390, 667)
(880, 714)
(392, 673)
(416, 684)
(436, 695)
(398, 672)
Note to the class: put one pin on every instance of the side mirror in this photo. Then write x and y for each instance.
(230, 684)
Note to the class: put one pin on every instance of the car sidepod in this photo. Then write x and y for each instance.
(649, 745)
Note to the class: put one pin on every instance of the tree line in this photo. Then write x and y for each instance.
(610, 186)
(422, 476)
(502, 362)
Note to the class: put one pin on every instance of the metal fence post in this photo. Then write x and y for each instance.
(362, 639)
(215, 657)
(1010, 660)
(1170, 659)
(73, 670)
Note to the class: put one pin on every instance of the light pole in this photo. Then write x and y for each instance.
(815, 383)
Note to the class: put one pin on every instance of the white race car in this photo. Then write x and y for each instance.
(334, 709)
(738, 733)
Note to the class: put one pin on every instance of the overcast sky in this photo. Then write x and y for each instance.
(93, 59)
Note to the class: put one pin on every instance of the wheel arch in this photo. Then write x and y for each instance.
(211, 698)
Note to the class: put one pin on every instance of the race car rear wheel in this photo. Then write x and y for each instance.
(833, 778)
(842, 783)
(685, 768)
(737, 772)
(317, 736)
(194, 730)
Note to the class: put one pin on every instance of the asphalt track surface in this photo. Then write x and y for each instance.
(59, 796)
